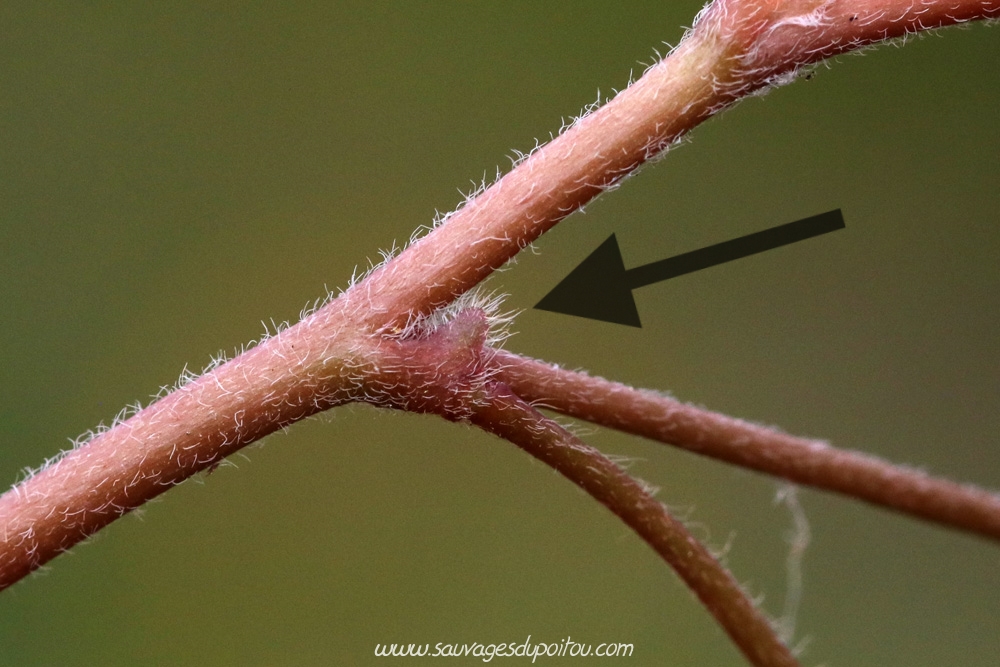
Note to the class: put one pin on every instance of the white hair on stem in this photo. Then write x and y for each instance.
(798, 542)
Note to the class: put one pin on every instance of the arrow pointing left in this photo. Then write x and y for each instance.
(600, 288)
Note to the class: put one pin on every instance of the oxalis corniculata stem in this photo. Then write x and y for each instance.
(736, 48)
(811, 462)
(508, 416)
(460, 372)
(337, 354)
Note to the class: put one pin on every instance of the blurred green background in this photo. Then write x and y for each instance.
(171, 174)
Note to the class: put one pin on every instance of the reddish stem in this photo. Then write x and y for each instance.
(652, 415)
(511, 418)
(736, 48)
(285, 379)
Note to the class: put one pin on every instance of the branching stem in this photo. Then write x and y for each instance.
(811, 462)
(351, 349)
(509, 417)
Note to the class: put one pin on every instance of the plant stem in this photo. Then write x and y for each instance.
(509, 417)
(285, 379)
(736, 48)
(652, 415)
(305, 369)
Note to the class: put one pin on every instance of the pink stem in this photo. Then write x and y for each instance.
(810, 462)
(736, 48)
(509, 417)
(285, 379)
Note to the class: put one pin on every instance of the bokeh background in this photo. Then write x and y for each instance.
(172, 174)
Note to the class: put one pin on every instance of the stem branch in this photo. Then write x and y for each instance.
(735, 48)
(811, 462)
(509, 417)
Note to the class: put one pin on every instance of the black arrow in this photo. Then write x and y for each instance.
(601, 288)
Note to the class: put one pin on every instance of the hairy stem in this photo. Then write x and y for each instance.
(736, 48)
(509, 417)
(657, 417)
(285, 379)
